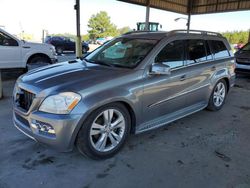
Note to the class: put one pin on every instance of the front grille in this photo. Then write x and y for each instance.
(243, 61)
(25, 99)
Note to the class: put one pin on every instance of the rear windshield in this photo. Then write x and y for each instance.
(246, 47)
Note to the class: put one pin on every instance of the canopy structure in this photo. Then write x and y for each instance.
(193, 7)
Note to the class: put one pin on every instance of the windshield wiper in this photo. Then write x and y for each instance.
(99, 62)
(106, 64)
(86, 60)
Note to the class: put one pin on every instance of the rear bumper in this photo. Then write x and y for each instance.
(63, 125)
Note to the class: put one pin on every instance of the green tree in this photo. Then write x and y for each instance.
(85, 37)
(124, 30)
(235, 37)
(101, 26)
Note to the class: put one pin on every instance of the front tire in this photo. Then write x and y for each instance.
(59, 50)
(37, 61)
(84, 50)
(104, 132)
(218, 96)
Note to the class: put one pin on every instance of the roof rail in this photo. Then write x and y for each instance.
(196, 32)
(140, 31)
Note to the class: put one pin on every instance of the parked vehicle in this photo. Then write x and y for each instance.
(100, 41)
(153, 26)
(134, 83)
(239, 46)
(63, 44)
(15, 53)
(243, 59)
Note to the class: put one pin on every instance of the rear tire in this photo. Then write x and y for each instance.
(218, 96)
(104, 132)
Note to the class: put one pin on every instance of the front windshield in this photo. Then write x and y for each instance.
(122, 52)
(246, 47)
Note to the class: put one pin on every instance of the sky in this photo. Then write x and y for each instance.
(58, 16)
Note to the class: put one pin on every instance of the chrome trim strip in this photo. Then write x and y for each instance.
(169, 121)
(177, 95)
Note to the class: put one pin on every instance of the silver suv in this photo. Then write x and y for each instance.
(134, 83)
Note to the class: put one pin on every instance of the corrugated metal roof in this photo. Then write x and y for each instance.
(195, 6)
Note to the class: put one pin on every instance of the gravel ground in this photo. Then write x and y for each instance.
(206, 149)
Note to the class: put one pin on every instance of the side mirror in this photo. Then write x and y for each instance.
(160, 69)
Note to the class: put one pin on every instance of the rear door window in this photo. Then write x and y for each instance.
(219, 49)
(196, 51)
(172, 54)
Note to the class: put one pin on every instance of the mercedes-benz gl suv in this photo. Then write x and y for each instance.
(132, 84)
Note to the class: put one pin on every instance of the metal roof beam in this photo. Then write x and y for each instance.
(198, 6)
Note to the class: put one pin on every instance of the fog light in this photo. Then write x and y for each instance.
(42, 127)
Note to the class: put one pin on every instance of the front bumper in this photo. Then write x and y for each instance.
(240, 68)
(63, 125)
(54, 60)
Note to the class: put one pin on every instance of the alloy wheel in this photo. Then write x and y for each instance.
(107, 130)
(219, 94)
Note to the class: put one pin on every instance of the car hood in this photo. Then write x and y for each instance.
(70, 76)
(36, 45)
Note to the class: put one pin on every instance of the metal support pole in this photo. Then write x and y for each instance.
(44, 34)
(147, 16)
(249, 35)
(189, 10)
(1, 86)
(78, 32)
(188, 22)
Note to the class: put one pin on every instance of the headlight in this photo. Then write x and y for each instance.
(52, 50)
(62, 103)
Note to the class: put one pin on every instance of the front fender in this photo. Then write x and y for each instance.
(28, 52)
(90, 103)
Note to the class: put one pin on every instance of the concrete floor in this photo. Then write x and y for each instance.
(206, 149)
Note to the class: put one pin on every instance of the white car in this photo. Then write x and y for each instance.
(15, 53)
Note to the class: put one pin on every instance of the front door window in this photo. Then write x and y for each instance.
(5, 40)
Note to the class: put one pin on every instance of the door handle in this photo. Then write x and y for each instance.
(213, 68)
(183, 77)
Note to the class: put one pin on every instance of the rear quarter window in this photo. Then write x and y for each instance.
(219, 49)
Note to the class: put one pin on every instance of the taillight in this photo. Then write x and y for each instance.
(233, 66)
